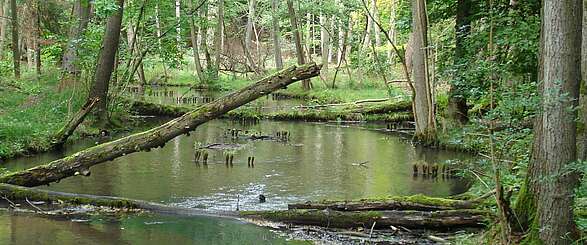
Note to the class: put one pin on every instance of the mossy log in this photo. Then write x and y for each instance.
(61, 137)
(388, 112)
(415, 202)
(382, 219)
(19, 193)
(80, 162)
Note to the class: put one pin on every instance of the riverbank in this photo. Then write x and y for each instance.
(33, 110)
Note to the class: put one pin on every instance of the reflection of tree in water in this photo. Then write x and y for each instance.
(426, 155)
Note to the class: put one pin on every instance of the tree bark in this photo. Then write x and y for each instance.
(196, 51)
(378, 219)
(249, 31)
(3, 25)
(15, 43)
(61, 137)
(276, 35)
(105, 64)
(82, 15)
(298, 40)
(457, 102)
(178, 24)
(157, 137)
(424, 106)
(325, 43)
(219, 35)
(556, 138)
(419, 203)
(376, 31)
(392, 9)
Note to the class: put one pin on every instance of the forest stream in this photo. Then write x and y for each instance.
(318, 161)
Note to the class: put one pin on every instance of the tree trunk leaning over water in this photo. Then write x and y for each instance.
(79, 163)
(105, 64)
(424, 106)
(67, 130)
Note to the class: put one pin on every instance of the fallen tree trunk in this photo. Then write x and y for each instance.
(79, 163)
(378, 219)
(16, 193)
(61, 137)
(416, 202)
(389, 112)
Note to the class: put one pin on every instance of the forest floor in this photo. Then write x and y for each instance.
(33, 110)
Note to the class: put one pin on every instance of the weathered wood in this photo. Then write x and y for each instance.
(416, 202)
(157, 137)
(381, 219)
(19, 193)
(67, 130)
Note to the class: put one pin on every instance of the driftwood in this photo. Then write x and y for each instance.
(61, 137)
(416, 202)
(157, 137)
(379, 219)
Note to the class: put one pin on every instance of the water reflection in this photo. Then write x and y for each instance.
(318, 162)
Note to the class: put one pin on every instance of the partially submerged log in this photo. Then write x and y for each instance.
(61, 137)
(20, 193)
(379, 219)
(388, 112)
(416, 202)
(157, 137)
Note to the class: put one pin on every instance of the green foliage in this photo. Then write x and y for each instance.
(32, 114)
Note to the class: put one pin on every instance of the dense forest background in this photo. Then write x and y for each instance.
(477, 74)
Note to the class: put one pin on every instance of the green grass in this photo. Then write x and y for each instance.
(33, 111)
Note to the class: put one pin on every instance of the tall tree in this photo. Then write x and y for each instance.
(424, 105)
(81, 11)
(3, 25)
(15, 30)
(551, 181)
(376, 30)
(249, 33)
(457, 103)
(293, 19)
(325, 43)
(276, 34)
(105, 64)
(218, 39)
(194, 38)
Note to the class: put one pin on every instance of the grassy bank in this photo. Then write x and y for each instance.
(32, 111)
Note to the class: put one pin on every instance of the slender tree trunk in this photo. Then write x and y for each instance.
(376, 31)
(249, 30)
(276, 35)
(178, 20)
(424, 111)
(457, 102)
(392, 7)
(325, 43)
(38, 37)
(298, 40)
(583, 151)
(82, 14)
(218, 39)
(159, 41)
(194, 38)
(105, 64)
(331, 40)
(367, 37)
(204, 36)
(15, 43)
(556, 141)
(3, 26)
